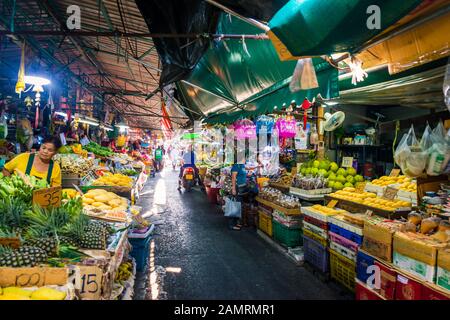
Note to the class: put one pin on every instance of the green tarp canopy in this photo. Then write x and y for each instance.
(230, 83)
(318, 27)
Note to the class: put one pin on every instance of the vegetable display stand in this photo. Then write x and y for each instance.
(212, 194)
(140, 248)
(288, 237)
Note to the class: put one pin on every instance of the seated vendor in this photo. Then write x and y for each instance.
(40, 164)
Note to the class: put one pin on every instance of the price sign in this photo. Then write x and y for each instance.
(33, 277)
(347, 162)
(360, 187)
(390, 193)
(48, 197)
(395, 173)
(88, 281)
(332, 203)
(369, 213)
(10, 242)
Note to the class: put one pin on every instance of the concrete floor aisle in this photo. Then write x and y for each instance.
(195, 256)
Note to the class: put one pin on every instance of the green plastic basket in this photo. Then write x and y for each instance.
(289, 237)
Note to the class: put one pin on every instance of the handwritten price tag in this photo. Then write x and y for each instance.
(33, 277)
(395, 173)
(49, 197)
(390, 193)
(347, 162)
(332, 203)
(10, 242)
(89, 282)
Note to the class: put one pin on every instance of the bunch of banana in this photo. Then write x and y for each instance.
(124, 272)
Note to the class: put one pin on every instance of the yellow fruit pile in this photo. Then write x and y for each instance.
(43, 293)
(371, 200)
(326, 210)
(125, 271)
(386, 180)
(408, 186)
(116, 179)
(104, 200)
(70, 193)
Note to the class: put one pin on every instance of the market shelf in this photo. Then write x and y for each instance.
(361, 208)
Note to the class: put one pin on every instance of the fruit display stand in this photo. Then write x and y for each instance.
(126, 192)
(361, 208)
(310, 195)
(274, 206)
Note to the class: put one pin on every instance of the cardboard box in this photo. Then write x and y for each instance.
(443, 269)
(416, 246)
(33, 277)
(378, 240)
(407, 289)
(388, 280)
(430, 292)
(417, 268)
(364, 293)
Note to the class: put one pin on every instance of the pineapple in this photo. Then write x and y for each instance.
(15, 259)
(49, 245)
(92, 240)
(39, 254)
(69, 241)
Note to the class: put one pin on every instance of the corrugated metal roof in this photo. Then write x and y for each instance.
(126, 67)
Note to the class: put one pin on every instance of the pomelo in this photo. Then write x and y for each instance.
(348, 184)
(314, 171)
(316, 163)
(338, 185)
(351, 171)
(341, 179)
(322, 172)
(342, 172)
(330, 184)
(334, 167)
(308, 171)
(359, 178)
(332, 177)
(324, 164)
(350, 179)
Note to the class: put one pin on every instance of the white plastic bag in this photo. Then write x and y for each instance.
(232, 208)
(439, 151)
(403, 150)
(304, 76)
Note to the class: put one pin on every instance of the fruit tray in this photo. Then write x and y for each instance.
(289, 212)
(310, 211)
(311, 192)
(340, 222)
(316, 230)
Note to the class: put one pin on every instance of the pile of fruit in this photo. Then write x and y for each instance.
(98, 150)
(70, 193)
(387, 180)
(102, 200)
(370, 199)
(74, 164)
(117, 179)
(326, 210)
(338, 178)
(310, 183)
(129, 172)
(284, 179)
(408, 187)
(125, 272)
(435, 227)
(42, 293)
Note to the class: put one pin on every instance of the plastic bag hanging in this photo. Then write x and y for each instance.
(304, 76)
(20, 85)
(446, 86)
(245, 129)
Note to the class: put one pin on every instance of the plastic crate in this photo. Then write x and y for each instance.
(289, 237)
(316, 254)
(363, 261)
(346, 233)
(265, 223)
(343, 241)
(140, 251)
(321, 224)
(315, 237)
(342, 270)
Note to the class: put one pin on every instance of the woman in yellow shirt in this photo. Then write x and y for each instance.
(38, 164)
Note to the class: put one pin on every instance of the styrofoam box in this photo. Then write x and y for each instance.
(417, 268)
(374, 188)
(319, 231)
(310, 211)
